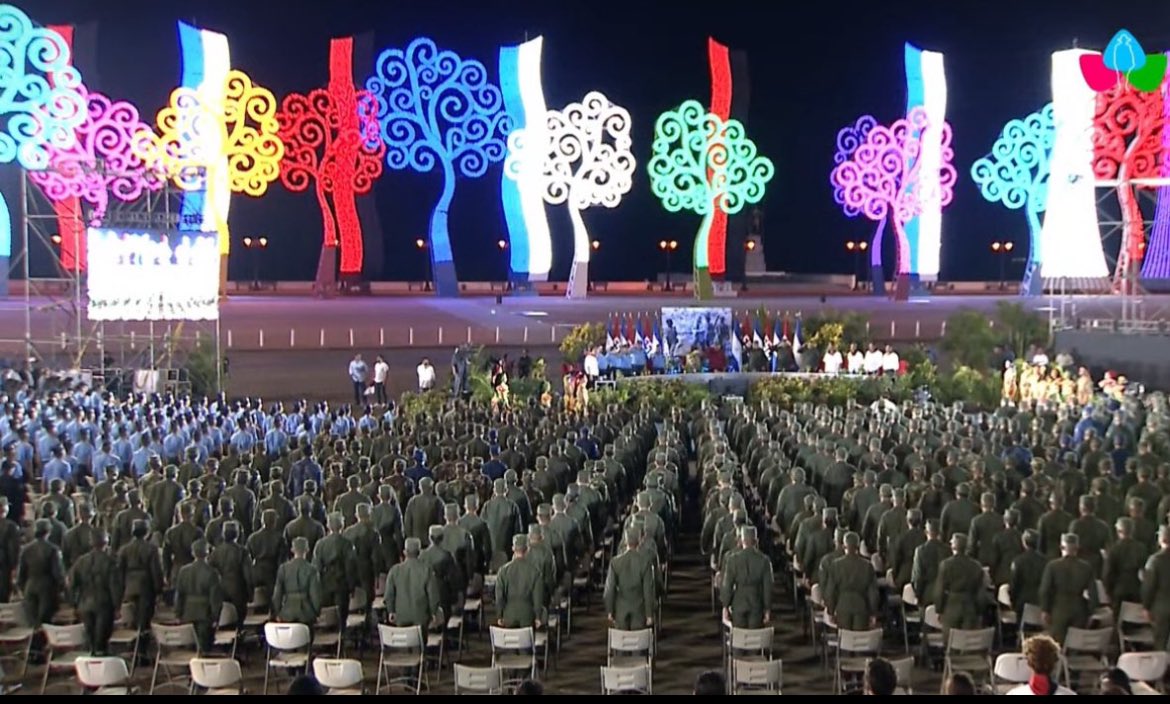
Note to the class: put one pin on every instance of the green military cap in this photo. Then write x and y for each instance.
(899, 494)
(435, 532)
(869, 476)
(199, 548)
(987, 499)
(963, 489)
(427, 483)
(932, 526)
(572, 491)
(634, 533)
(852, 540)
(959, 540)
(829, 514)
(747, 533)
(519, 542)
(535, 531)
(544, 510)
(510, 476)
(42, 526)
(412, 545)
(500, 487)
(558, 501)
(1125, 525)
(914, 514)
(1070, 540)
(819, 503)
(471, 501)
(451, 510)
(300, 545)
(937, 480)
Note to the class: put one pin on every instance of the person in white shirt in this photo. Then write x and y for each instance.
(890, 361)
(426, 376)
(357, 374)
(873, 360)
(591, 368)
(381, 371)
(855, 360)
(1040, 359)
(832, 361)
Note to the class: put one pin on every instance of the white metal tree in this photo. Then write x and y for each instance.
(587, 161)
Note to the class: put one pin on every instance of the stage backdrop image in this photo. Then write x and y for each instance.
(685, 329)
(141, 275)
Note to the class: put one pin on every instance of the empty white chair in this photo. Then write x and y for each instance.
(1149, 668)
(103, 675)
(339, 676)
(1011, 669)
(287, 648)
(756, 676)
(911, 613)
(477, 680)
(217, 675)
(630, 648)
(64, 644)
(402, 657)
(226, 634)
(1133, 628)
(626, 680)
(174, 648)
(514, 651)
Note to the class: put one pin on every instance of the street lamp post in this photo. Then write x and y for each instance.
(668, 247)
(1002, 250)
(254, 247)
(858, 248)
(421, 245)
(595, 245)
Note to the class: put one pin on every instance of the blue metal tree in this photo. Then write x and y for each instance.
(1016, 174)
(40, 104)
(438, 110)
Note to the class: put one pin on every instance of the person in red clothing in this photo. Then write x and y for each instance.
(716, 359)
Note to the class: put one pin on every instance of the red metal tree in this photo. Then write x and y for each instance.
(1127, 145)
(331, 137)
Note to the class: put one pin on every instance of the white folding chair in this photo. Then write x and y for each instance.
(1133, 628)
(339, 676)
(1103, 616)
(402, 658)
(514, 652)
(477, 680)
(226, 633)
(126, 639)
(854, 649)
(217, 676)
(15, 637)
(175, 646)
(327, 632)
(1145, 667)
(969, 651)
(932, 633)
(63, 645)
(911, 614)
(904, 669)
(287, 648)
(106, 675)
(630, 648)
(1084, 652)
(756, 676)
(626, 680)
(1011, 669)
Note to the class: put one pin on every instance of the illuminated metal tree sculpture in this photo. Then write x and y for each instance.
(586, 161)
(101, 162)
(40, 104)
(1127, 145)
(242, 157)
(849, 138)
(1156, 264)
(881, 177)
(331, 138)
(1016, 174)
(705, 165)
(438, 110)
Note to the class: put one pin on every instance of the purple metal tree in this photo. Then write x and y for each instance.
(880, 176)
(848, 140)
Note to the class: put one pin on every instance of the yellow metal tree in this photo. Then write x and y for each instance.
(221, 141)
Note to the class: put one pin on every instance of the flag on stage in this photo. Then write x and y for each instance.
(776, 333)
(785, 333)
(758, 333)
(736, 345)
(630, 329)
(609, 341)
(796, 342)
(638, 337)
(656, 342)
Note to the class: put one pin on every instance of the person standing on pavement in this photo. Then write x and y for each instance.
(381, 371)
(426, 376)
(358, 369)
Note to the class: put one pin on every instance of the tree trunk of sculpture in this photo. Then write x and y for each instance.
(877, 275)
(902, 268)
(442, 263)
(325, 282)
(579, 274)
(704, 291)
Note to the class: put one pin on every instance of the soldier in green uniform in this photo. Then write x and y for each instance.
(244, 501)
(296, 595)
(520, 595)
(1004, 547)
(79, 538)
(630, 592)
(1156, 590)
(1028, 505)
(387, 519)
(1052, 525)
(96, 590)
(1068, 590)
(141, 567)
(200, 507)
(268, 549)
(336, 562)
(424, 510)
(412, 591)
(124, 520)
(892, 525)
(902, 552)
(1093, 535)
(199, 596)
(1144, 530)
(962, 588)
(367, 545)
(924, 571)
(957, 514)
(1026, 571)
(347, 503)
(213, 534)
(234, 565)
(40, 576)
(457, 542)
(503, 522)
(1123, 566)
(304, 526)
(984, 529)
(275, 501)
(452, 583)
(746, 592)
(164, 496)
(850, 588)
(177, 544)
(541, 555)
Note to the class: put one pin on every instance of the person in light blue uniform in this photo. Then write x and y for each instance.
(57, 468)
(275, 442)
(603, 365)
(658, 362)
(173, 444)
(622, 362)
(83, 449)
(637, 359)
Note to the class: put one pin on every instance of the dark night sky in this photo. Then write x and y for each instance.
(815, 66)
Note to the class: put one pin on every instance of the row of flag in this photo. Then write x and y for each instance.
(646, 330)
